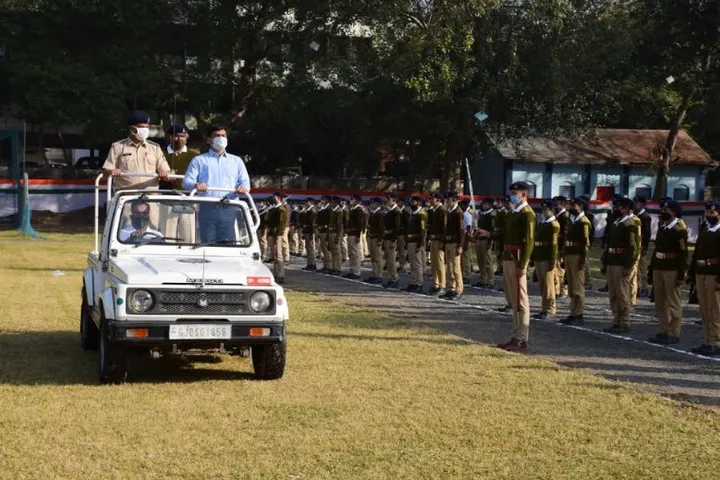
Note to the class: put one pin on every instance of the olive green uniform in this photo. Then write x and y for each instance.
(417, 230)
(263, 234)
(402, 252)
(563, 219)
(437, 250)
(299, 231)
(454, 239)
(323, 225)
(308, 227)
(544, 255)
(286, 235)
(294, 221)
(277, 223)
(344, 244)
(577, 245)
(646, 233)
(499, 237)
(667, 266)
(356, 224)
(483, 247)
(705, 268)
(392, 220)
(518, 246)
(591, 219)
(335, 236)
(177, 223)
(376, 225)
(363, 234)
(621, 256)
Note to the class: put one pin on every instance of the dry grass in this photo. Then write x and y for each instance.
(363, 397)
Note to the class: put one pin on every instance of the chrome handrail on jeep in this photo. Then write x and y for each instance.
(247, 196)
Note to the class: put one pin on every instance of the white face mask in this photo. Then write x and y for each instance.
(219, 143)
(142, 133)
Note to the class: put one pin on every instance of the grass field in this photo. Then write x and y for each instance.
(364, 396)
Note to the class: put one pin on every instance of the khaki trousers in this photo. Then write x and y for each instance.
(390, 254)
(560, 286)
(293, 241)
(364, 244)
(335, 247)
(424, 255)
(325, 249)
(376, 257)
(277, 256)
(302, 250)
(437, 260)
(467, 263)
(286, 245)
(177, 224)
(516, 291)
(355, 253)
(667, 301)
(263, 241)
(344, 247)
(416, 263)
(546, 278)
(401, 252)
(588, 280)
(642, 272)
(576, 284)
(485, 262)
(499, 260)
(310, 248)
(709, 297)
(454, 268)
(620, 293)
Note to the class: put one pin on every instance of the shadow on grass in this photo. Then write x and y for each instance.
(55, 358)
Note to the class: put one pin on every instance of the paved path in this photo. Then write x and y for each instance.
(673, 372)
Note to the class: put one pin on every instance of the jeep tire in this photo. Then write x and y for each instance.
(112, 359)
(89, 334)
(269, 360)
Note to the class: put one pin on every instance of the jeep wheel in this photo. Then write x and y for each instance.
(89, 338)
(269, 360)
(113, 366)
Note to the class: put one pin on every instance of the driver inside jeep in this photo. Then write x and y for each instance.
(139, 226)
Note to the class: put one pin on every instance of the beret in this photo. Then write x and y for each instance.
(671, 204)
(279, 195)
(177, 128)
(560, 198)
(138, 117)
(625, 202)
(465, 201)
(578, 201)
(640, 199)
(451, 194)
(391, 195)
(488, 200)
(437, 195)
(713, 205)
(417, 198)
(355, 196)
(520, 186)
(376, 200)
(309, 199)
(547, 203)
(504, 198)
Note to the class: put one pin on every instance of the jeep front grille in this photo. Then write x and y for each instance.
(200, 303)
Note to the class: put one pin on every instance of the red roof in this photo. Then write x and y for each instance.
(606, 146)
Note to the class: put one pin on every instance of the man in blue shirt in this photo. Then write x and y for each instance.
(217, 169)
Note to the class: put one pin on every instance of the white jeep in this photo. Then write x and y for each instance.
(176, 273)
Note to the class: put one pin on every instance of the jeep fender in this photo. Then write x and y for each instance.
(89, 286)
(108, 303)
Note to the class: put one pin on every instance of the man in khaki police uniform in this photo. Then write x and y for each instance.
(454, 241)
(277, 221)
(563, 218)
(620, 261)
(518, 247)
(577, 245)
(468, 224)
(308, 229)
(322, 237)
(417, 231)
(591, 218)
(544, 257)
(436, 230)
(335, 235)
(667, 271)
(641, 285)
(355, 224)
(262, 233)
(376, 227)
(137, 154)
(483, 244)
(392, 220)
(402, 234)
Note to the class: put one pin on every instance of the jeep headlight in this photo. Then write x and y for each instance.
(141, 301)
(260, 302)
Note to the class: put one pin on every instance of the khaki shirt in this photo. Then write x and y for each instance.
(146, 157)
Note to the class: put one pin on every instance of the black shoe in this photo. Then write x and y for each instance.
(451, 295)
(412, 288)
(434, 291)
(604, 289)
(540, 316)
(573, 320)
(664, 339)
(352, 276)
(312, 268)
(505, 309)
(706, 350)
(617, 329)
(375, 280)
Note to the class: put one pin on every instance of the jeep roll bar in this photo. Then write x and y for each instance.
(247, 197)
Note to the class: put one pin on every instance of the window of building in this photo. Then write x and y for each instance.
(533, 189)
(567, 190)
(681, 193)
(643, 190)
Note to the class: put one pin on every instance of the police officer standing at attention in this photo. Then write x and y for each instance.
(563, 218)
(376, 228)
(346, 218)
(417, 229)
(705, 268)
(519, 244)
(262, 233)
(544, 256)
(503, 209)
(392, 220)
(609, 222)
(620, 261)
(667, 272)
(483, 244)
(641, 285)
(322, 237)
(577, 245)
(335, 235)
(437, 246)
(217, 168)
(277, 222)
(402, 234)
(466, 261)
(591, 218)
(355, 227)
(308, 229)
(454, 241)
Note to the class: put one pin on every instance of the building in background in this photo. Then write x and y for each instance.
(609, 161)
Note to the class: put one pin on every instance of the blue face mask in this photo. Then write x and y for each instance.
(515, 199)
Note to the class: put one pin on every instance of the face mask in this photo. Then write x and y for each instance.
(142, 133)
(140, 222)
(515, 199)
(712, 220)
(219, 143)
(664, 216)
(547, 213)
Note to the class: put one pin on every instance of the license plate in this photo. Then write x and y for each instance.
(200, 332)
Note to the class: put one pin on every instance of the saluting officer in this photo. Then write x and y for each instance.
(277, 223)
(355, 227)
(620, 260)
(437, 243)
(705, 268)
(591, 218)
(322, 220)
(483, 244)
(641, 284)
(376, 228)
(308, 229)
(519, 244)
(417, 230)
(544, 256)
(577, 245)
(335, 235)
(563, 218)
(392, 220)
(667, 271)
(454, 240)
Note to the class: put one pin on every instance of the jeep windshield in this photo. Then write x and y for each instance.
(149, 221)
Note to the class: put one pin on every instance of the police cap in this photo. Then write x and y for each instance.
(355, 196)
(521, 186)
(437, 195)
(546, 203)
(713, 205)
(640, 199)
(177, 128)
(560, 198)
(488, 200)
(579, 201)
(451, 194)
(279, 195)
(376, 200)
(418, 198)
(138, 118)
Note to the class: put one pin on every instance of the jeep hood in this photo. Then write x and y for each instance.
(152, 270)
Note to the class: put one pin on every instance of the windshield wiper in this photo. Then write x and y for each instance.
(224, 241)
(145, 241)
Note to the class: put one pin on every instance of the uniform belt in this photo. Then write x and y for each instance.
(413, 235)
(708, 262)
(663, 256)
(434, 237)
(451, 239)
(389, 231)
(543, 244)
(572, 244)
(615, 251)
(513, 248)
